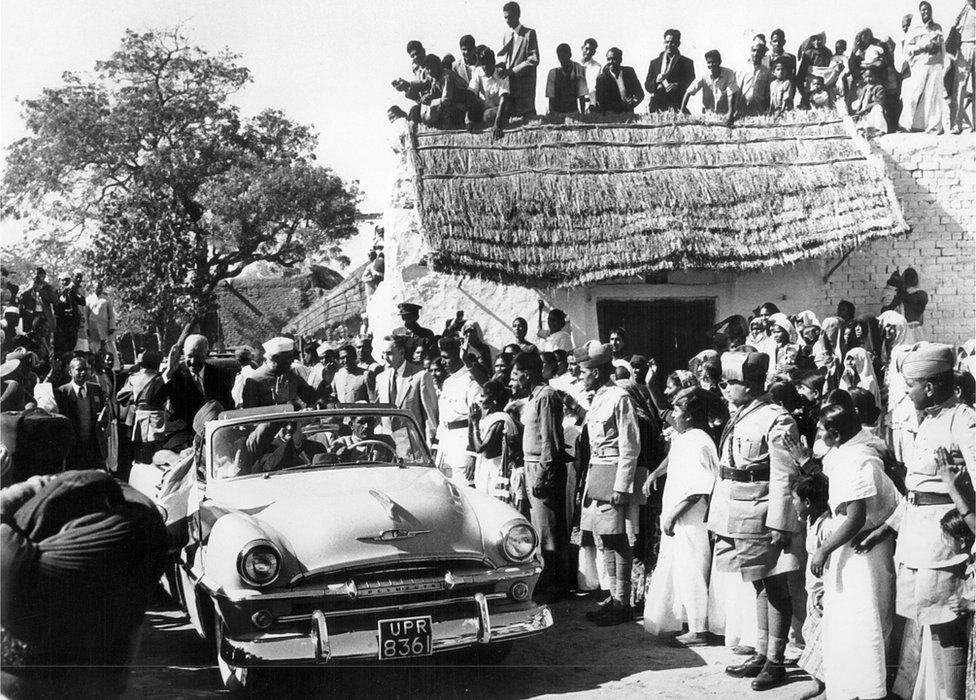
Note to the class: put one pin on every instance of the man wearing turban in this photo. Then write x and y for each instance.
(276, 382)
(751, 512)
(931, 573)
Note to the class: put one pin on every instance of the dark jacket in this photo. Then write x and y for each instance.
(681, 71)
(65, 398)
(608, 95)
(184, 396)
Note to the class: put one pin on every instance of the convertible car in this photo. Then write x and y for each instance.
(317, 536)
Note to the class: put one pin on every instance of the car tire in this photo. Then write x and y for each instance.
(493, 654)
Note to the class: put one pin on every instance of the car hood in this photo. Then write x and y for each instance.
(333, 519)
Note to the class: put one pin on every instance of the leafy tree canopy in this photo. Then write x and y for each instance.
(167, 186)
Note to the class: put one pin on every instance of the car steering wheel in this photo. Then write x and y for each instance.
(376, 443)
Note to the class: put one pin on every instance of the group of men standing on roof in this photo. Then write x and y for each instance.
(883, 86)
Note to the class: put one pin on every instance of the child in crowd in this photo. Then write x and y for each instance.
(867, 109)
(958, 534)
(810, 501)
(780, 90)
(679, 586)
(494, 436)
(819, 96)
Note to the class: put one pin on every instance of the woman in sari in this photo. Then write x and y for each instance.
(922, 92)
(827, 353)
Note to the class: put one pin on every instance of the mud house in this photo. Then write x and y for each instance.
(667, 224)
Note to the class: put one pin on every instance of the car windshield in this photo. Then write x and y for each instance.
(293, 441)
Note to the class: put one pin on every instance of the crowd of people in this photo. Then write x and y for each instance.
(757, 489)
(920, 81)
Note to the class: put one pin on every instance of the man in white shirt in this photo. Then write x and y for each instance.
(591, 68)
(719, 88)
(349, 383)
(459, 393)
(754, 81)
(101, 321)
(556, 335)
(490, 83)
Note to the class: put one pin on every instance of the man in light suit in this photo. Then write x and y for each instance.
(617, 89)
(83, 403)
(669, 75)
(407, 386)
(520, 56)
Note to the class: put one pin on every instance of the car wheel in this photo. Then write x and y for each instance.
(493, 654)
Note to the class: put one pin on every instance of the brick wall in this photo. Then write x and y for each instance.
(935, 180)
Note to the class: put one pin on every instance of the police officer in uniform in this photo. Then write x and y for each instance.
(751, 512)
(411, 328)
(930, 574)
(610, 504)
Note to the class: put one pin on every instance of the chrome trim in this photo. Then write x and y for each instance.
(388, 608)
(391, 564)
(351, 590)
(507, 528)
(484, 632)
(298, 648)
(321, 630)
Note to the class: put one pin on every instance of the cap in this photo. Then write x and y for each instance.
(746, 367)
(11, 310)
(276, 346)
(594, 354)
(323, 349)
(924, 360)
(407, 308)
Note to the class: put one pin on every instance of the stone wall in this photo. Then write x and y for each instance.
(933, 177)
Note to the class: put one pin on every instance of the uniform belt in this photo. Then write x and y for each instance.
(744, 475)
(455, 424)
(928, 498)
(605, 454)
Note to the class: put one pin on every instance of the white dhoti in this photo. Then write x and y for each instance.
(678, 591)
(452, 454)
(858, 610)
(732, 609)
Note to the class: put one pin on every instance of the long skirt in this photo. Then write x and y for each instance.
(811, 660)
(922, 98)
(678, 591)
(858, 612)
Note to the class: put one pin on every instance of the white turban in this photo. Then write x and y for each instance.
(276, 346)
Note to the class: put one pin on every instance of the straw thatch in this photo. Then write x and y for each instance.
(336, 312)
(563, 205)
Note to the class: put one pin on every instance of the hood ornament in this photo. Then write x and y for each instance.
(388, 503)
(395, 534)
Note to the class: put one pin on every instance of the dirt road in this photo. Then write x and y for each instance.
(574, 659)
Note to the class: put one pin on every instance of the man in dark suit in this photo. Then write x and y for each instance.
(617, 89)
(669, 75)
(191, 384)
(520, 58)
(406, 385)
(83, 403)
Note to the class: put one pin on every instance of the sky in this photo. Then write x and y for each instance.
(329, 63)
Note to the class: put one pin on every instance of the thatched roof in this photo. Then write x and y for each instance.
(563, 205)
(341, 306)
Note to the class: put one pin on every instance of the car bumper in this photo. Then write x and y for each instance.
(491, 620)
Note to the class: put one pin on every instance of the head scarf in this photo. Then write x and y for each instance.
(781, 320)
(864, 367)
(870, 333)
(808, 318)
(967, 356)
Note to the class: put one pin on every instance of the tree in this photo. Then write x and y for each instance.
(181, 191)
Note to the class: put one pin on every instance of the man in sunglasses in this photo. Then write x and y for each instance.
(751, 512)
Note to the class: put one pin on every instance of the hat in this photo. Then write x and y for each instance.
(22, 353)
(11, 310)
(323, 350)
(407, 308)
(924, 360)
(279, 345)
(594, 354)
(746, 367)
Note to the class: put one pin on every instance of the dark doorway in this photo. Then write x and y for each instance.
(672, 331)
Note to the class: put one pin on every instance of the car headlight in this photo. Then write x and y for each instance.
(259, 563)
(518, 540)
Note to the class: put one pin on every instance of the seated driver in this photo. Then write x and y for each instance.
(348, 448)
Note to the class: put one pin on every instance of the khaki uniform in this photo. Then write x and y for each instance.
(742, 511)
(928, 571)
(611, 424)
(459, 392)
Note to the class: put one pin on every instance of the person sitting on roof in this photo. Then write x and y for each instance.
(781, 89)
(414, 88)
(566, 85)
(491, 86)
(617, 89)
(754, 82)
(468, 63)
(447, 100)
(719, 89)
(819, 97)
(867, 108)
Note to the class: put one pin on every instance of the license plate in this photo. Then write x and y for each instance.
(403, 637)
